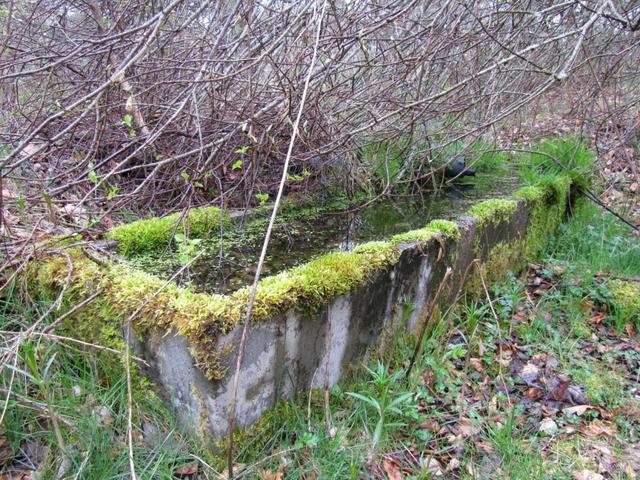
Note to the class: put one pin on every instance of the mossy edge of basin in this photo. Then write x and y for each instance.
(203, 318)
(547, 204)
(154, 233)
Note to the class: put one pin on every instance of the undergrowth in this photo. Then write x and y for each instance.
(66, 416)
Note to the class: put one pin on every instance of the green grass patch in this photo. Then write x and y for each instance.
(70, 404)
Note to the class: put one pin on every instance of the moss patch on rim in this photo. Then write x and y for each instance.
(494, 210)
(200, 317)
(446, 228)
(151, 234)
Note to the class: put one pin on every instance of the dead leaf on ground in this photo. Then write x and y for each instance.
(454, 464)
(476, 363)
(467, 428)
(630, 330)
(631, 460)
(392, 469)
(485, 447)
(598, 428)
(559, 390)
(269, 475)
(18, 475)
(597, 319)
(185, 470)
(533, 393)
(530, 373)
(433, 466)
(587, 475)
(430, 425)
(579, 409)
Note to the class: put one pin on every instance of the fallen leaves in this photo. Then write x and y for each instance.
(467, 427)
(558, 392)
(530, 373)
(587, 475)
(185, 470)
(392, 469)
(277, 475)
(18, 475)
(578, 409)
(599, 428)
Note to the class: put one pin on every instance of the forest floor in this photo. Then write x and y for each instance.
(539, 382)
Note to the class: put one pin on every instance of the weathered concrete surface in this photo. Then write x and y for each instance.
(287, 354)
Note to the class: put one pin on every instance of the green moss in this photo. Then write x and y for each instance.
(420, 234)
(201, 318)
(547, 206)
(436, 227)
(503, 258)
(626, 296)
(531, 193)
(494, 210)
(601, 388)
(155, 233)
(449, 228)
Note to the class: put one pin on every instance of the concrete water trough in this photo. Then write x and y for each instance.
(357, 298)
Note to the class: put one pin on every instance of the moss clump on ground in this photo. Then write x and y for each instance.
(494, 210)
(626, 296)
(155, 233)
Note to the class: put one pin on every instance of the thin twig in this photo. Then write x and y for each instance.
(500, 341)
(327, 362)
(263, 253)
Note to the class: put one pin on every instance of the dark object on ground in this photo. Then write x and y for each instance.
(458, 168)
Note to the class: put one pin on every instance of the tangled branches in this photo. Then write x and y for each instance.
(167, 104)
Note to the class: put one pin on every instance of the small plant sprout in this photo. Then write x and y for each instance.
(382, 400)
(262, 198)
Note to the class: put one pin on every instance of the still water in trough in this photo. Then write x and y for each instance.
(229, 262)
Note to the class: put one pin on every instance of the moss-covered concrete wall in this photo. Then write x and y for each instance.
(355, 297)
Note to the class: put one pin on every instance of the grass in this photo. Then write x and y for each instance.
(545, 161)
(594, 242)
(69, 407)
